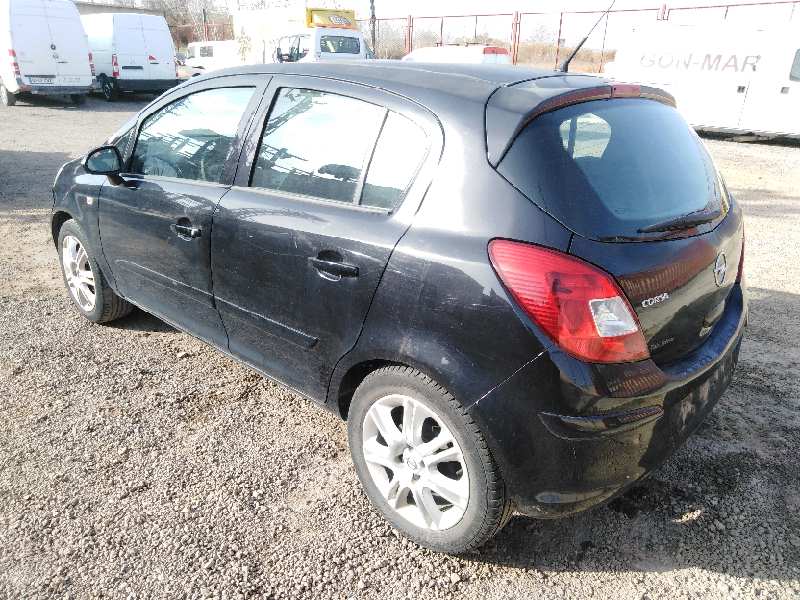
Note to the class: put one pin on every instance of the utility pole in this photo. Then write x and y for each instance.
(372, 23)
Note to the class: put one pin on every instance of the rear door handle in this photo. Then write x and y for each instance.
(187, 231)
(333, 267)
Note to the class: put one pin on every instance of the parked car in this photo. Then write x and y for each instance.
(464, 54)
(45, 51)
(202, 57)
(132, 53)
(522, 289)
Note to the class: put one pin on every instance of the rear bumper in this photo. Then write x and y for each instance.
(51, 90)
(568, 435)
(154, 86)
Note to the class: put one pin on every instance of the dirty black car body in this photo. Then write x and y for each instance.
(285, 252)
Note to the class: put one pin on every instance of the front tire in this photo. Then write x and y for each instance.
(6, 97)
(87, 287)
(424, 463)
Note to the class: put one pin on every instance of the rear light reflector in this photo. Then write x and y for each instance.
(580, 307)
(14, 64)
(114, 66)
(740, 272)
(494, 50)
(91, 64)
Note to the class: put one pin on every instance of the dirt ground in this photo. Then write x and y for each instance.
(137, 463)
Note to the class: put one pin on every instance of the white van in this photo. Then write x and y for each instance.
(202, 57)
(729, 78)
(132, 53)
(288, 35)
(479, 54)
(44, 50)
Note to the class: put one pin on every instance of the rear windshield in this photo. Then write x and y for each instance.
(340, 44)
(608, 168)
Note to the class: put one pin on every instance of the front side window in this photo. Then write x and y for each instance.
(398, 155)
(192, 137)
(795, 73)
(339, 44)
(316, 144)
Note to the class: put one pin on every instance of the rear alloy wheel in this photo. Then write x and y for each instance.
(88, 288)
(109, 89)
(423, 462)
(6, 97)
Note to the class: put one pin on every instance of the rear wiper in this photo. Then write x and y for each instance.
(687, 221)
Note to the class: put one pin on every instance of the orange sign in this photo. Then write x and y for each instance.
(324, 17)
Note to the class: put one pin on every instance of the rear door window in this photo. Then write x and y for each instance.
(339, 44)
(398, 156)
(317, 144)
(608, 168)
(192, 137)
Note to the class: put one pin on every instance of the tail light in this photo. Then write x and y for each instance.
(114, 66)
(14, 64)
(740, 272)
(494, 50)
(177, 74)
(151, 58)
(91, 64)
(580, 307)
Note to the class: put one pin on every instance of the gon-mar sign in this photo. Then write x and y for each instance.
(708, 62)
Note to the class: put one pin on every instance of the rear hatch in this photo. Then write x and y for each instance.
(160, 52)
(641, 194)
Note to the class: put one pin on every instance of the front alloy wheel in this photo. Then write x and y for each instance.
(78, 272)
(415, 462)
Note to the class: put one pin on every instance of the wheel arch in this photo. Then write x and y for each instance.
(57, 220)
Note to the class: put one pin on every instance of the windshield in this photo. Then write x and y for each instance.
(340, 44)
(609, 168)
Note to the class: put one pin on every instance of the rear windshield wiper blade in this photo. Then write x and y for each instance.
(687, 221)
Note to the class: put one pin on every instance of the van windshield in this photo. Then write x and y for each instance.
(340, 44)
(609, 168)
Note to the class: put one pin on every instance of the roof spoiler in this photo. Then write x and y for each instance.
(511, 108)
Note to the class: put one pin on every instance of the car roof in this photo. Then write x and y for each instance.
(416, 80)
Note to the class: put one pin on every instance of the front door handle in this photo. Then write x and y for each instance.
(332, 267)
(186, 231)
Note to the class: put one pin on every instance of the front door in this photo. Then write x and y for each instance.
(301, 241)
(155, 219)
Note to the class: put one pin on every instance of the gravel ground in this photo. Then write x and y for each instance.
(137, 463)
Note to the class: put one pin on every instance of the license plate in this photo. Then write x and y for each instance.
(46, 80)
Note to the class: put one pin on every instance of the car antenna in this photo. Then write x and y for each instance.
(565, 65)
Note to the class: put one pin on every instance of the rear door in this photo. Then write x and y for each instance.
(301, 241)
(129, 46)
(69, 44)
(31, 42)
(155, 218)
(773, 100)
(623, 175)
(160, 52)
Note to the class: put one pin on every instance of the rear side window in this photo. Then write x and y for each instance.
(401, 149)
(795, 73)
(339, 44)
(206, 51)
(192, 137)
(608, 168)
(317, 144)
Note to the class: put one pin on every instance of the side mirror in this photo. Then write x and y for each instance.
(278, 55)
(105, 160)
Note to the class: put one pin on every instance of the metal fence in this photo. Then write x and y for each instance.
(545, 39)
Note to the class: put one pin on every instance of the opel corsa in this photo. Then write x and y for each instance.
(522, 289)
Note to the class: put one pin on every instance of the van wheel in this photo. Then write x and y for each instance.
(6, 97)
(86, 284)
(109, 88)
(78, 99)
(424, 463)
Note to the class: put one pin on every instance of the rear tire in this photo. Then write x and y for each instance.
(436, 482)
(78, 99)
(6, 97)
(109, 89)
(87, 287)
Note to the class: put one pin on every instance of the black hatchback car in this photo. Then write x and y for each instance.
(522, 289)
